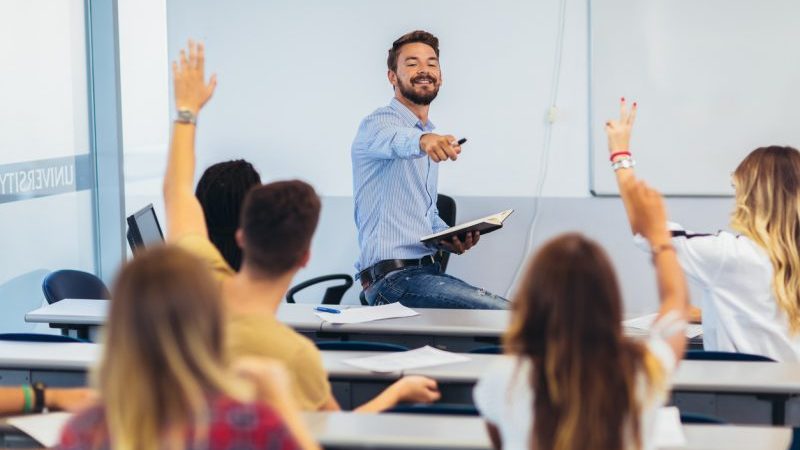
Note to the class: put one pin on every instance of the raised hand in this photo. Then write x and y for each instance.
(619, 131)
(191, 89)
(440, 148)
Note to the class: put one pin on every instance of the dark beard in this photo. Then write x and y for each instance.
(417, 99)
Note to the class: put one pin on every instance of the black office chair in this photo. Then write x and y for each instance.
(334, 294)
(693, 418)
(63, 284)
(488, 350)
(37, 337)
(702, 355)
(448, 409)
(361, 346)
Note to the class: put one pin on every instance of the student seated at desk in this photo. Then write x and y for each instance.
(26, 399)
(277, 225)
(750, 280)
(221, 192)
(575, 381)
(162, 379)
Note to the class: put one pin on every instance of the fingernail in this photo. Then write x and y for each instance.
(622, 99)
(634, 104)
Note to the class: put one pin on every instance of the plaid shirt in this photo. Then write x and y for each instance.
(232, 425)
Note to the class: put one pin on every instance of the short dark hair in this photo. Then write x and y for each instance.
(278, 221)
(410, 38)
(221, 192)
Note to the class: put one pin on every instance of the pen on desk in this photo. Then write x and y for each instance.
(327, 310)
(462, 141)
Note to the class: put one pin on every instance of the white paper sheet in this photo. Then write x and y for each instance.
(413, 359)
(644, 323)
(668, 430)
(367, 313)
(44, 428)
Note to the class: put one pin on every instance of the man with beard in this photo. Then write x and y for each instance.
(395, 175)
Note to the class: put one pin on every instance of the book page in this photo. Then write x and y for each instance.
(367, 314)
(413, 359)
(44, 428)
(644, 323)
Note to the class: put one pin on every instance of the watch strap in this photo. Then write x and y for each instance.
(186, 116)
(38, 396)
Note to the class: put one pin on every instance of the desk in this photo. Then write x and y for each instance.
(343, 430)
(449, 329)
(53, 363)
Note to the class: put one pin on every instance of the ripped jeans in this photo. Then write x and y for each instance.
(428, 287)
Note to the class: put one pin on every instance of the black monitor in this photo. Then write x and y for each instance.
(143, 229)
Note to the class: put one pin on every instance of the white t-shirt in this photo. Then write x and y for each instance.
(740, 312)
(504, 396)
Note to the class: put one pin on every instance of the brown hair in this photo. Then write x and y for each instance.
(567, 319)
(768, 212)
(278, 220)
(410, 38)
(162, 356)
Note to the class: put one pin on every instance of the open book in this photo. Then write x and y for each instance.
(485, 225)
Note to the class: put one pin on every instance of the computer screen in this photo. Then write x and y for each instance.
(143, 229)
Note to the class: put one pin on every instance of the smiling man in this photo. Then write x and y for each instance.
(395, 175)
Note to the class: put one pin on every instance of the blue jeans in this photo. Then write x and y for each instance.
(428, 287)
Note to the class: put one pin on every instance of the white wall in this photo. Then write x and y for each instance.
(263, 111)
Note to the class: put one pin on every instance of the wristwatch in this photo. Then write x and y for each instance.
(38, 396)
(624, 163)
(186, 116)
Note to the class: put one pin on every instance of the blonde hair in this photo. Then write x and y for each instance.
(768, 212)
(163, 354)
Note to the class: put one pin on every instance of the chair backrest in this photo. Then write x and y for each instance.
(63, 284)
(361, 346)
(447, 211)
(450, 409)
(701, 355)
(333, 295)
(37, 337)
(700, 418)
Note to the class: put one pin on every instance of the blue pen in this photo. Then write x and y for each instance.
(327, 310)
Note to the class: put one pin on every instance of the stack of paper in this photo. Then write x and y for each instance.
(368, 314)
(43, 428)
(644, 323)
(669, 431)
(413, 359)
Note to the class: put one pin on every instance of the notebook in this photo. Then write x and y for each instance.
(484, 225)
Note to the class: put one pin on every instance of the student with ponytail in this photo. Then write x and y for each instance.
(574, 381)
(750, 280)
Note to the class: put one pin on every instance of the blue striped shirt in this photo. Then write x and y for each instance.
(394, 186)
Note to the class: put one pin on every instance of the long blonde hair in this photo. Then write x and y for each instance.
(768, 212)
(163, 354)
(567, 320)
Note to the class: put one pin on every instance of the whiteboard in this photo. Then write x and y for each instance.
(714, 80)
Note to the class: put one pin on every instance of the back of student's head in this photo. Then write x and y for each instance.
(566, 320)
(767, 210)
(221, 192)
(278, 223)
(163, 347)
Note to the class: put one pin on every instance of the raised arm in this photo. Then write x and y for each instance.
(619, 137)
(648, 217)
(184, 213)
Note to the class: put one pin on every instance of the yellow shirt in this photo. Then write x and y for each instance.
(262, 335)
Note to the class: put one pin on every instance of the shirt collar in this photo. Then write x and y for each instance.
(409, 115)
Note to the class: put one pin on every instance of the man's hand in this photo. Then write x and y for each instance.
(440, 148)
(619, 131)
(457, 246)
(191, 90)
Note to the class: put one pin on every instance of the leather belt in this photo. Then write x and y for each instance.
(380, 269)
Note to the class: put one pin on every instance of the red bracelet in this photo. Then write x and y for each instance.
(622, 153)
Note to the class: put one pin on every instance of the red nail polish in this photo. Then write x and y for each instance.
(634, 104)
(622, 99)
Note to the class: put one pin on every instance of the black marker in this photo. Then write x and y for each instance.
(462, 141)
